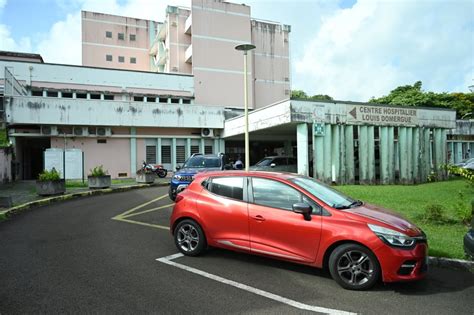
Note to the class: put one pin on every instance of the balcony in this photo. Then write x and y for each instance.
(188, 55)
(187, 25)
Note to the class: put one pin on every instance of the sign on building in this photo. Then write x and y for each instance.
(68, 163)
(318, 129)
(382, 115)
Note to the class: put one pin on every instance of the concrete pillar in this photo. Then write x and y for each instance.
(173, 154)
(336, 154)
(371, 154)
(425, 157)
(318, 157)
(439, 146)
(74, 94)
(45, 93)
(416, 155)
(133, 151)
(216, 146)
(444, 153)
(458, 152)
(363, 158)
(302, 147)
(187, 149)
(349, 154)
(158, 151)
(410, 155)
(391, 154)
(384, 154)
(202, 145)
(451, 152)
(327, 153)
(222, 145)
(342, 155)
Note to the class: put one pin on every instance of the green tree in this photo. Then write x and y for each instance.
(301, 95)
(413, 95)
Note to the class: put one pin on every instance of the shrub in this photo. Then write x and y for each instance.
(143, 171)
(98, 171)
(52, 175)
(462, 208)
(434, 213)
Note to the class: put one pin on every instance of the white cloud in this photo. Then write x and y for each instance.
(9, 44)
(373, 47)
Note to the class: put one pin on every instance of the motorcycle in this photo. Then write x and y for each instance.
(159, 170)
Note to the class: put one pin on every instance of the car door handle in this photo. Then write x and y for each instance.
(258, 218)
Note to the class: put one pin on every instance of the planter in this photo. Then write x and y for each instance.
(145, 178)
(98, 182)
(50, 187)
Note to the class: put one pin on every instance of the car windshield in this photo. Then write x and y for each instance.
(325, 193)
(203, 162)
(264, 162)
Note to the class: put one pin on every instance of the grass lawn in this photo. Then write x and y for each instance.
(445, 240)
(79, 184)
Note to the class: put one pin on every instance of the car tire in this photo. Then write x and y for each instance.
(172, 194)
(354, 267)
(189, 238)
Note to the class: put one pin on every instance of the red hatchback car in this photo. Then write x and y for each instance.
(299, 219)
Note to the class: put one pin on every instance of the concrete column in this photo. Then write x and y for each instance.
(216, 146)
(318, 157)
(425, 157)
(416, 155)
(133, 151)
(187, 151)
(458, 152)
(342, 155)
(451, 153)
(391, 154)
(102, 96)
(60, 94)
(403, 154)
(158, 151)
(336, 154)
(444, 153)
(410, 155)
(45, 93)
(222, 145)
(349, 156)
(74, 95)
(88, 96)
(173, 154)
(371, 154)
(327, 153)
(363, 158)
(438, 148)
(384, 153)
(302, 147)
(202, 145)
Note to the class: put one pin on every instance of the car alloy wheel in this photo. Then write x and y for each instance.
(354, 267)
(189, 238)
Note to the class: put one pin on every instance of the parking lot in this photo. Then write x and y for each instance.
(114, 254)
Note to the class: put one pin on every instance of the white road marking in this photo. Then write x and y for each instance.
(168, 260)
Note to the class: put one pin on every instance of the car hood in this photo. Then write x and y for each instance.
(191, 171)
(386, 216)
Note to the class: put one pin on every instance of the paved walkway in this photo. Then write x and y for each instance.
(25, 190)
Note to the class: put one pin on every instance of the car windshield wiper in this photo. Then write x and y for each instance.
(356, 203)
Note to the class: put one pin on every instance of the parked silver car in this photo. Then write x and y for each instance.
(276, 164)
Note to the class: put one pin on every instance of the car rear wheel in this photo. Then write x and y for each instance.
(189, 238)
(354, 267)
(172, 194)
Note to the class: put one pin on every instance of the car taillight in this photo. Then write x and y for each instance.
(178, 198)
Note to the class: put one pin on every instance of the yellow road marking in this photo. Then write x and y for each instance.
(142, 223)
(146, 211)
(139, 207)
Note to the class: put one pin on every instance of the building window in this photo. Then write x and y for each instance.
(163, 100)
(81, 95)
(165, 154)
(180, 154)
(108, 34)
(66, 95)
(151, 99)
(186, 101)
(95, 96)
(194, 149)
(108, 97)
(121, 36)
(121, 59)
(133, 37)
(151, 154)
(208, 149)
(133, 60)
(101, 140)
(108, 57)
(37, 93)
(52, 94)
(138, 98)
(175, 100)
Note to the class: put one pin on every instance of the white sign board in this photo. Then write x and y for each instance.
(73, 161)
(382, 115)
(54, 158)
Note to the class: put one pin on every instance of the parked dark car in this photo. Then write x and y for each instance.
(276, 164)
(469, 243)
(298, 219)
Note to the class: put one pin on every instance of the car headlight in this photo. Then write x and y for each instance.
(392, 237)
(177, 177)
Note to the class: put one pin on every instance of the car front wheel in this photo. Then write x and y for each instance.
(354, 267)
(189, 238)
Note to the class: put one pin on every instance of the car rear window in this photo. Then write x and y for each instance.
(230, 187)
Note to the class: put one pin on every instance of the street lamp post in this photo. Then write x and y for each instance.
(245, 48)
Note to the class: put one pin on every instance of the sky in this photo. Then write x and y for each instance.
(349, 49)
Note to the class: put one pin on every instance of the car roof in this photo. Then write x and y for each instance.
(278, 175)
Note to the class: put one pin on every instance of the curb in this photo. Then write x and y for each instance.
(451, 263)
(8, 213)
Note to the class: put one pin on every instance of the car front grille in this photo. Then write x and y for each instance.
(187, 178)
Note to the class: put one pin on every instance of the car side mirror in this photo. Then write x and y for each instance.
(304, 209)
(272, 165)
(178, 167)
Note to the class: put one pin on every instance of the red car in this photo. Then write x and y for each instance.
(298, 219)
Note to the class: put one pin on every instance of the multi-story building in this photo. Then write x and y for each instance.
(200, 41)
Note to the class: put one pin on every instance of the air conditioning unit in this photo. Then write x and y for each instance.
(104, 132)
(80, 131)
(207, 132)
(49, 130)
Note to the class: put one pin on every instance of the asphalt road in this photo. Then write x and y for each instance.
(74, 258)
